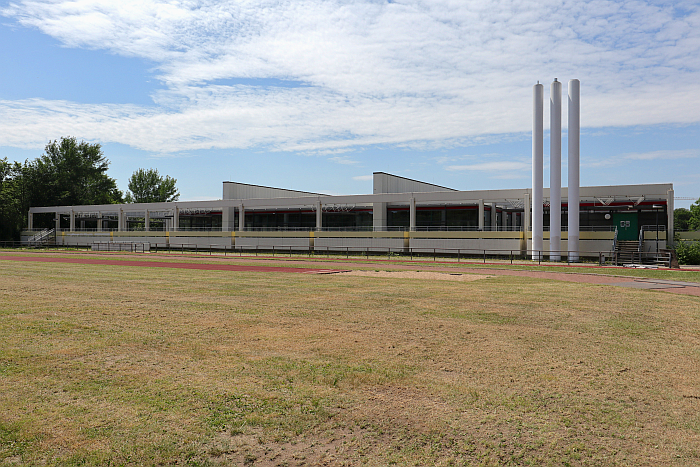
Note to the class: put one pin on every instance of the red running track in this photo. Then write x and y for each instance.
(159, 264)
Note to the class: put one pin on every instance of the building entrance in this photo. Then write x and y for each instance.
(626, 223)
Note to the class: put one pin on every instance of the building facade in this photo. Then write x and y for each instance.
(400, 214)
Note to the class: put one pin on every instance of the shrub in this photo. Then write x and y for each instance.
(688, 252)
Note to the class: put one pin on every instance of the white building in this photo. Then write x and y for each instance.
(400, 214)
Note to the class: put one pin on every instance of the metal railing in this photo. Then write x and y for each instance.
(42, 237)
(583, 228)
(636, 258)
(391, 228)
(132, 247)
(399, 253)
(603, 258)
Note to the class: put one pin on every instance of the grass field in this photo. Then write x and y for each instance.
(112, 365)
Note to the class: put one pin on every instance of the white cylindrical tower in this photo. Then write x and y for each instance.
(537, 167)
(555, 171)
(574, 180)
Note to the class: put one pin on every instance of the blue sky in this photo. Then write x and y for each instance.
(317, 95)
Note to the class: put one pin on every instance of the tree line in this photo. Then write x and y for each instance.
(70, 173)
(687, 219)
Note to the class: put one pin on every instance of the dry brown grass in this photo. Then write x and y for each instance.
(127, 365)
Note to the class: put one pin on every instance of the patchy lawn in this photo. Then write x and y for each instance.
(124, 365)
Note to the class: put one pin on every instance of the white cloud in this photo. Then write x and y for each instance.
(502, 166)
(344, 160)
(364, 178)
(663, 155)
(415, 73)
(668, 154)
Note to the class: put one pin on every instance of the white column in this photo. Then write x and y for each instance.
(555, 171)
(669, 218)
(379, 217)
(494, 217)
(412, 215)
(525, 223)
(514, 220)
(574, 147)
(99, 222)
(72, 220)
(58, 221)
(228, 216)
(319, 215)
(537, 169)
(147, 221)
(481, 214)
(30, 220)
(120, 220)
(526, 215)
(241, 218)
(176, 219)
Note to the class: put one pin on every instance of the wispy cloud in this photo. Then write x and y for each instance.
(496, 166)
(413, 73)
(669, 154)
(344, 160)
(661, 155)
(364, 178)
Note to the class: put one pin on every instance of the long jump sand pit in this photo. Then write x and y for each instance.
(421, 275)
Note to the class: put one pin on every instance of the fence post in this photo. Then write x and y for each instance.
(484, 256)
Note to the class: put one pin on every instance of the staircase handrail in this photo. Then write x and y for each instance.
(37, 236)
(41, 236)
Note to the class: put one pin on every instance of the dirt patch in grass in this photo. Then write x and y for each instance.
(135, 365)
(424, 275)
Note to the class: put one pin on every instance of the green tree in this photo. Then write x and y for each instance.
(681, 216)
(71, 173)
(148, 186)
(9, 209)
(68, 173)
(694, 221)
(14, 199)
